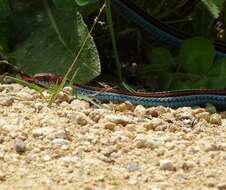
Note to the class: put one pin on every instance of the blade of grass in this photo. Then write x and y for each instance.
(113, 39)
(28, 84)
(66, 76)
(110, 24)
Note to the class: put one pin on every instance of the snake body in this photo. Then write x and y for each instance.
(172, 99)
(157, 29)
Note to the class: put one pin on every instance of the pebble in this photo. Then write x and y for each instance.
(215, 119)
(25, 95)
(60, 141)
(68, 90)
(132, 166)
(2, 176)
(156, 111)
(38, 106)
(141, 141)
(188, 165)
(109, 125)
(155, 122)
(154, 188)
(8, 101)
(20, 146)
(62, 96)
(118, 146)
(46, 158)
(203, 115)
(166, 165)
(80, 118)
(140, 111)
(125, 106)
(79, 105)
(119, 119)
(224, 156)
(70, 159)
(2, 153)
(43, 131)
(221, 186)
(1, 88)
(211, 108)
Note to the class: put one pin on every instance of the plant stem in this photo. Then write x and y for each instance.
(109, 21)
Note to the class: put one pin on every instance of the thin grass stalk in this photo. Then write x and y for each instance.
(110, 24)
(66, 76)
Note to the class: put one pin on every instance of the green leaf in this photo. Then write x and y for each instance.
(4, 8)
(218, 69)
(192, 84)
(4, 25)
(216, 75)
(214, 6)
(160, 59)
(66, 5)
(203, 20)
(53, 44)
(178, 85)
(196, 55)
(216, 83)
(85, 2)
(166, 79)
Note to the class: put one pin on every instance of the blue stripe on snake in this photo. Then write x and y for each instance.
(176, 101)
(152, 27)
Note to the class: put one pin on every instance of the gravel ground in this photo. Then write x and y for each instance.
(78, 146)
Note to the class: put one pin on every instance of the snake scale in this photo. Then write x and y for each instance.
(172, 99)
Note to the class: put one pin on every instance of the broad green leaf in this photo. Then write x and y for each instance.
(196, 55)
(160, 59)
(214, 6)
(53, 44)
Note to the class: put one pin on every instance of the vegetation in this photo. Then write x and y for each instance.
(51, 36)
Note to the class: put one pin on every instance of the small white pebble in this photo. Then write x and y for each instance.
(166, 165)
(132, 166)
(60, 141)
(140, 111)
(68, 90)
(46, 158)
(215, 119)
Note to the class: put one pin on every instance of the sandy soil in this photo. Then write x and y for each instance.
(79, 146)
